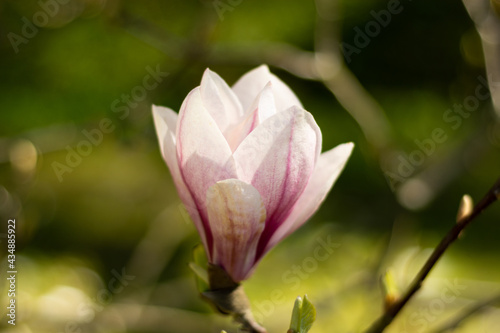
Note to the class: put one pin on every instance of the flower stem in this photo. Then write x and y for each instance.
(229, 298)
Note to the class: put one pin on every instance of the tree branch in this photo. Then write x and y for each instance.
(389, 315)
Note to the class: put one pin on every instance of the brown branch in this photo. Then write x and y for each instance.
(389, 315)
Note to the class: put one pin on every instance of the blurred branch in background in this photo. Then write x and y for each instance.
(151, 318)
(154, 251)
(466, 314)
(420, 190)
(485, 14)
(332, 71)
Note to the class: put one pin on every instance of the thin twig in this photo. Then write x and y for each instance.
(455, 322)
(389, 315)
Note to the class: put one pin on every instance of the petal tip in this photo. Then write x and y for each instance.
(264, 67)
(155, 108)
(347, 147)
(342, 152)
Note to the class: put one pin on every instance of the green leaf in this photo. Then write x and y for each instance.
(295, 323)
(303, 315)
(199, 267)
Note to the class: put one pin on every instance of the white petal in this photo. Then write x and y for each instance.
(328, 169)
(237, 217)
(220, 101)
(165, 121)
(202, 151)
(250, 84)
(262, 108)
(278, 158)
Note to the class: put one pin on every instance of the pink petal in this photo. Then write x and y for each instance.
(328, 169)
(165, 121)
(250, 84)
(262, 108)
(237, 217)
(220, 101)
(203, 154)
(278, 158)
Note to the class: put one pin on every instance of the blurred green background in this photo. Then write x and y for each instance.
(115, 212)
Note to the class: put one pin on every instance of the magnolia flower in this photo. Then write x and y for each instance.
(247, 164)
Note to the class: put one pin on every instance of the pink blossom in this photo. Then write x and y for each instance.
(247, 164)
